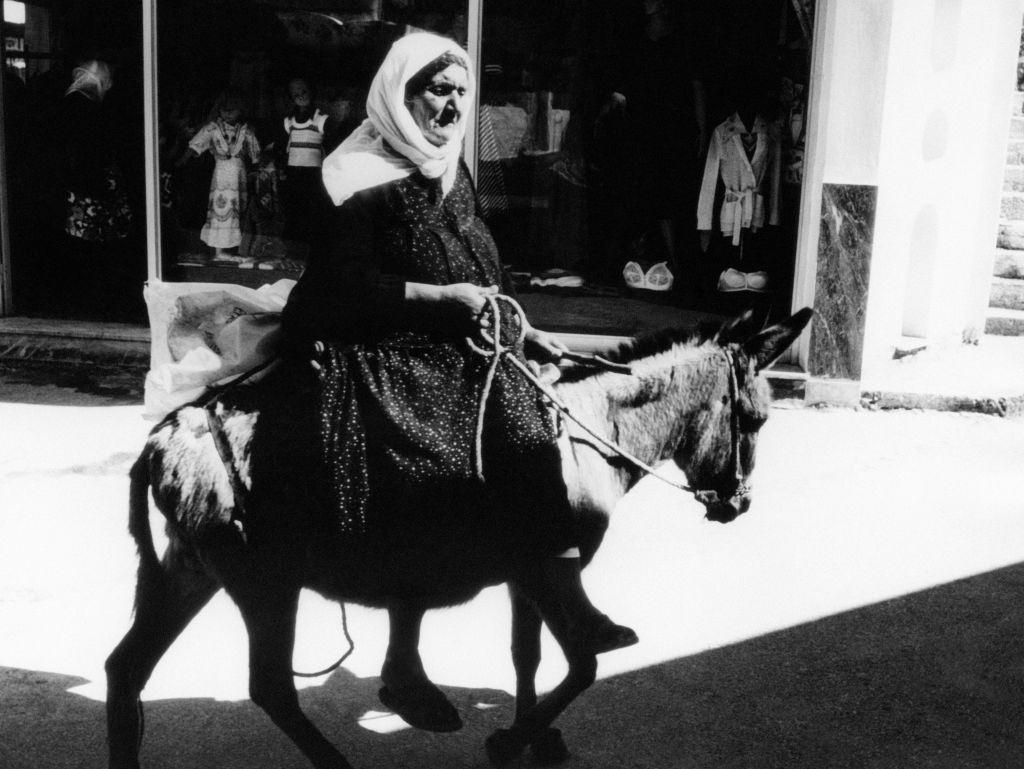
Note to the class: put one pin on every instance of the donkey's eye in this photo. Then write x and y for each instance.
(725, 400)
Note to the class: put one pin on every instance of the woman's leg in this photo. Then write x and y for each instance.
(537, 504)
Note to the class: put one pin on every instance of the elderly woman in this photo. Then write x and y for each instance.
(402, 276)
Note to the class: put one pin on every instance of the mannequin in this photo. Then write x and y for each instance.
(303, 152)
(744, 157)
(234, 145)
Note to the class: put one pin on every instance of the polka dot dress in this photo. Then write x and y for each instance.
(398, 414)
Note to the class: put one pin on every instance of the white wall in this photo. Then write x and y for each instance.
(944, 127)
(848, 73)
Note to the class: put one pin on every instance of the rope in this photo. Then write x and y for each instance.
(345, 656)
(499, 351)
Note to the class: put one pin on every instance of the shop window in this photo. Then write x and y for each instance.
(607, 136)
(252, 96)
(75, 183)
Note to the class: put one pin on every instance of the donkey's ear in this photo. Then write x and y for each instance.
(740, 327)
(768, 345)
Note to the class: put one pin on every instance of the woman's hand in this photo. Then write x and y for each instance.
(466, 302)
(544, 346)
(460, 303)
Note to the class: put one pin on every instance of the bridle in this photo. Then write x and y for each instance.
(496, 350)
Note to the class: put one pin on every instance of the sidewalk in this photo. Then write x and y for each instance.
(986, 378)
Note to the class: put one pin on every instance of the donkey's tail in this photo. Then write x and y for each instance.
(138, 518)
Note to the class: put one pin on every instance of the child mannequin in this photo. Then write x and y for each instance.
(302, 189)
(234, 146)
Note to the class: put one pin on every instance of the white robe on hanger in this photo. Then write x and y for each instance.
(748, 181)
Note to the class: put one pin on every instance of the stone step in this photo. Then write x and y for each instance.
(74, 343)
(1011, 207)
(1007, 293)
(1009, 263)
(1010, 235)
(1013, 178)
(1002, 322)
(1016, 127)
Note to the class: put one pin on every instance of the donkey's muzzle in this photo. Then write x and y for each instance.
(723, 512)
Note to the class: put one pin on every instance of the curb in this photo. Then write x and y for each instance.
(1001, 406)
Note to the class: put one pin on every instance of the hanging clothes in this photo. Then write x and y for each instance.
(750, 175)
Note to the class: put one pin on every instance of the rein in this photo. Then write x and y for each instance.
(498, 351)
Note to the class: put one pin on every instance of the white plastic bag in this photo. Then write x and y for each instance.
(204, 333)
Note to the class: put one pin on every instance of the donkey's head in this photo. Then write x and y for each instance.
(719, 441)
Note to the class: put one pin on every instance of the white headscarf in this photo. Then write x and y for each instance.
(92, 79)
(362, 161)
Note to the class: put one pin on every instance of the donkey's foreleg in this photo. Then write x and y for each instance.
(533, 725)
(269, 615)
(548, 747)
(407, 690)
(166, 601)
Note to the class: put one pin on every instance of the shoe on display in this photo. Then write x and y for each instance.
(559, 277)
(193, 260)
(227, 259)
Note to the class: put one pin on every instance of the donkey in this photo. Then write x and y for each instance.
(698, 402)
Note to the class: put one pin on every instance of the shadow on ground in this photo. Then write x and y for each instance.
(63, 385)
(931, 680)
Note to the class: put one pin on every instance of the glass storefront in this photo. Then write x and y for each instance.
(74, 158)
(608, 136)
(250, 101)
(639, 162)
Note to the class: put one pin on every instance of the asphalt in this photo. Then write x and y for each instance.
(865, 613)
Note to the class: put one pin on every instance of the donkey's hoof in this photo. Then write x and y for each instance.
(423, 707)
(549, 747)
(503, 747)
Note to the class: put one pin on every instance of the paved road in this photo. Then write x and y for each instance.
(866, 613)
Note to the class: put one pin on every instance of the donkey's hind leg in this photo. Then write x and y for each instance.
(269, 612)
(166, 601)
(533, 725)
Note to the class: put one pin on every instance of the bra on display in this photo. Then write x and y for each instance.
(734, 280)
(657, 278)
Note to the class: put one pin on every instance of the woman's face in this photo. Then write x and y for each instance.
(439, 108)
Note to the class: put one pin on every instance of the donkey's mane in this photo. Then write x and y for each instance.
(657, 342)
(647, 345)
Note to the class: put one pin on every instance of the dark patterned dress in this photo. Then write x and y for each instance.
(399, 389)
